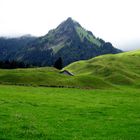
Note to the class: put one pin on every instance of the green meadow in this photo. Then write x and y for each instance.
(39, 113)
(100, 102)
(118, 69)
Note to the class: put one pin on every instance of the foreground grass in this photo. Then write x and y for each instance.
(33, 113)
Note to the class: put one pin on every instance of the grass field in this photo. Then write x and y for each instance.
(103, 72)
(49, 77)
(118, 69)
(100, 102)
(38, 113)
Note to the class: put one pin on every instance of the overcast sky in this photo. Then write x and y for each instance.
(117, 21)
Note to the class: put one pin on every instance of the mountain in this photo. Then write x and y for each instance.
(69, 40)
(10, 46)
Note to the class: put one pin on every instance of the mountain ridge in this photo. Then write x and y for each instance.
(69, 40)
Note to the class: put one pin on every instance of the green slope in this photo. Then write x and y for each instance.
(49, 76)
(85, 34)
(102, 72)
(120, 69)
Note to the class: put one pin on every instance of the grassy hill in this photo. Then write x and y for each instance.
(120, 69)
(49, 76)
(42, 113)
(101, 72)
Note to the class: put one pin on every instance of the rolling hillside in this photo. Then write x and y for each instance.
(49, 77)
(105, 112)
(101, 72)
(120, 69)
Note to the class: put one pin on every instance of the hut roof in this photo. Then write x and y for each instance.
(67, 72)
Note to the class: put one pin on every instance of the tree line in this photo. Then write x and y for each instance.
(13, 64)
(16, 64)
